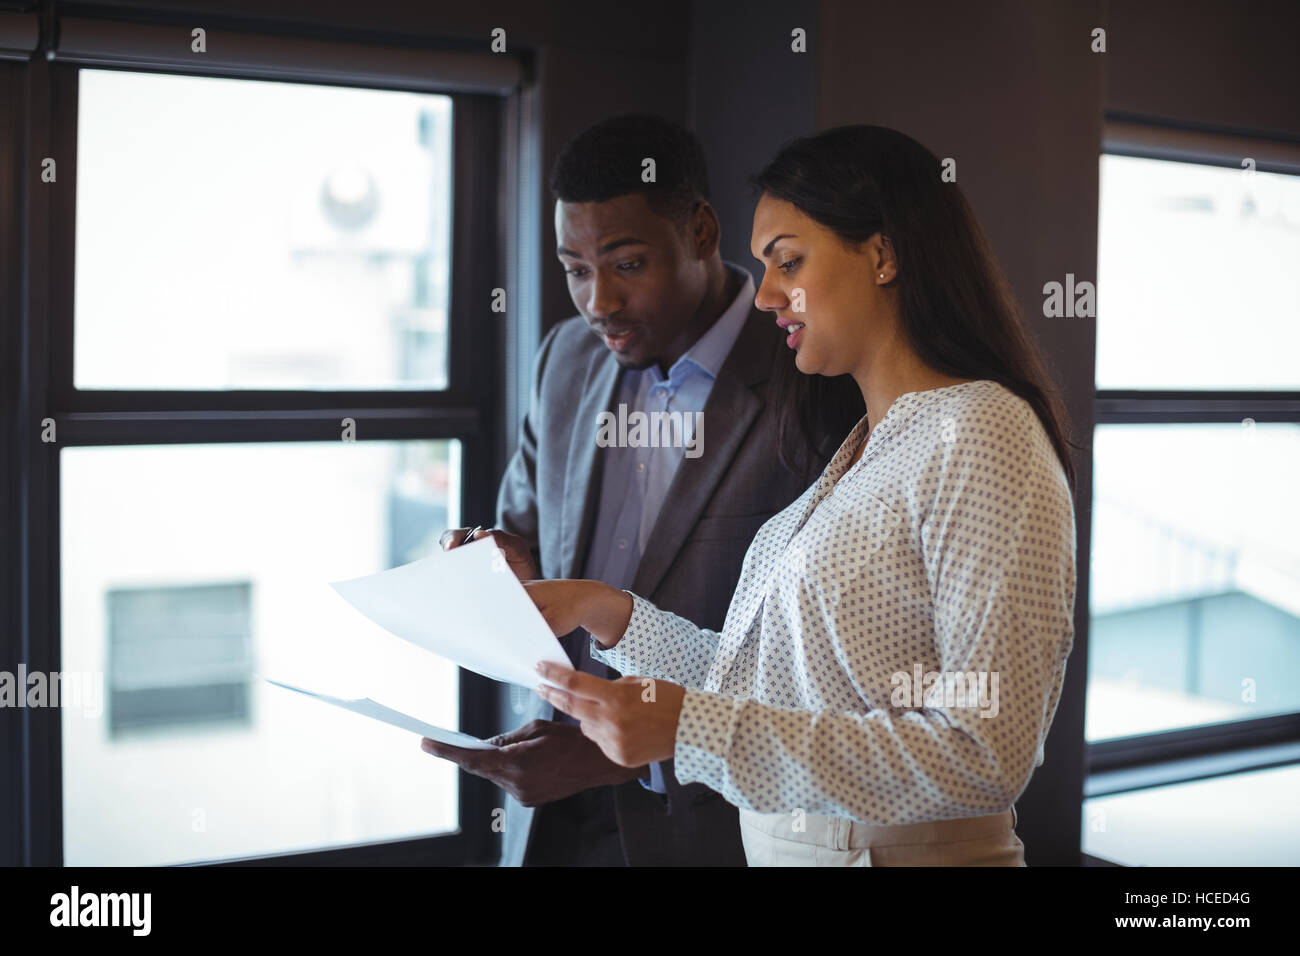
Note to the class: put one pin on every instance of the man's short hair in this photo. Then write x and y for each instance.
(606, 160)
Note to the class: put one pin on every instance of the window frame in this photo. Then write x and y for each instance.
(38, 105)
(1177, 755)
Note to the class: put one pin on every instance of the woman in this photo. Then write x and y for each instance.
(851, 706)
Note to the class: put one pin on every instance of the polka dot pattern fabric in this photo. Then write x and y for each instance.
(947, 549)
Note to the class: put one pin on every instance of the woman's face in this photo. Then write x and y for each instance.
(845, 310)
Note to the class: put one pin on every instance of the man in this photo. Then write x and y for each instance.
(665, 327)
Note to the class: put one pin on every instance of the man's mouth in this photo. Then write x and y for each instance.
(618, 340)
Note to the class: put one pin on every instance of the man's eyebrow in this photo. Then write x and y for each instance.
(607, 247)
(767, 249)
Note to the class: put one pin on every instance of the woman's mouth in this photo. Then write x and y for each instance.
(794, 330)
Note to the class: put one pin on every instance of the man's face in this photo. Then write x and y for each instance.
(636, 278)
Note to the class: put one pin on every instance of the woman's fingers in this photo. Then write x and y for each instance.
(613, 714)
(577, 683)
(591, 716)
(580, 695)
(579, 708)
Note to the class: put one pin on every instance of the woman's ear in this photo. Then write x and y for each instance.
(884, 262)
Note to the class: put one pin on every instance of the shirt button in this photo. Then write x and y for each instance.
(622, 544)
(640, 466)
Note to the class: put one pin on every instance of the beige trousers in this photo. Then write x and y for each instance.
(783, 839)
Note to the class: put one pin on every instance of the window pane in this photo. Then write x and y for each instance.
(249, 234)
(1195, 593)
(1197, 285)
(178, 655)
(189, 570)
(1152, 826)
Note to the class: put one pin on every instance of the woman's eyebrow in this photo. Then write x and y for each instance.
(767, 249)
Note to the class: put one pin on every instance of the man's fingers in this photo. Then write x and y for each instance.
(468, 759)
(446, 751)
(534, 728)
(515, 548)
(453, 538)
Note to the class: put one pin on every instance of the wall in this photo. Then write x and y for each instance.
(1202, 63)
(749, 94)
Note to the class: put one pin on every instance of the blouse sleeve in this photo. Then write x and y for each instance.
(662, 645)
(998, 548)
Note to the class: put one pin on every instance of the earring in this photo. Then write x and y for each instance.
(882, 275)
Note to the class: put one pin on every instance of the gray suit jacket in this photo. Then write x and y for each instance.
(714, 507)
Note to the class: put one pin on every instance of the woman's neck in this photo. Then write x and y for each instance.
(892, 370)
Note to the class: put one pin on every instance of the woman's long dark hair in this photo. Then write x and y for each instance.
(958, 310)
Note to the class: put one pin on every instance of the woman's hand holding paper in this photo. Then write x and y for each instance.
(566, 605)
(633, 719)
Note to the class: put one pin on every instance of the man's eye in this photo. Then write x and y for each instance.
(577, 272)
(788, 262)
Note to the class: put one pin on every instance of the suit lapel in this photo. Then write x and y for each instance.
(732, 406)
(581, 476)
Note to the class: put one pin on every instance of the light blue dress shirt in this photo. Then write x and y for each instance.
(636, 477)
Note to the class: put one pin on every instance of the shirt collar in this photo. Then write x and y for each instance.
(713, 347)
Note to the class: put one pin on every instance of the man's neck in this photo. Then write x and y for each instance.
(723, 288)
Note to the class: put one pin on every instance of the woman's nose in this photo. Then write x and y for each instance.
(769, 297)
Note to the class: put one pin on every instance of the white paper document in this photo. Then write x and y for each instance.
(369, 708)
(465, 605)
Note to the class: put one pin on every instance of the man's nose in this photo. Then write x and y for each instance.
(603, 301)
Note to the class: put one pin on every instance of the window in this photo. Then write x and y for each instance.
(250, 234)
(178, 655)
(204, 734)
(1195, 576)
(1195, 595)
(1201, 290)
(1151, 826)
(266, 360)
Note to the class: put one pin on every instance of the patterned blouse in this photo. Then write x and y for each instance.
(895, 648)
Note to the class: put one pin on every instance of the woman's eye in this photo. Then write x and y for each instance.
(629, 266)
(788, 262)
